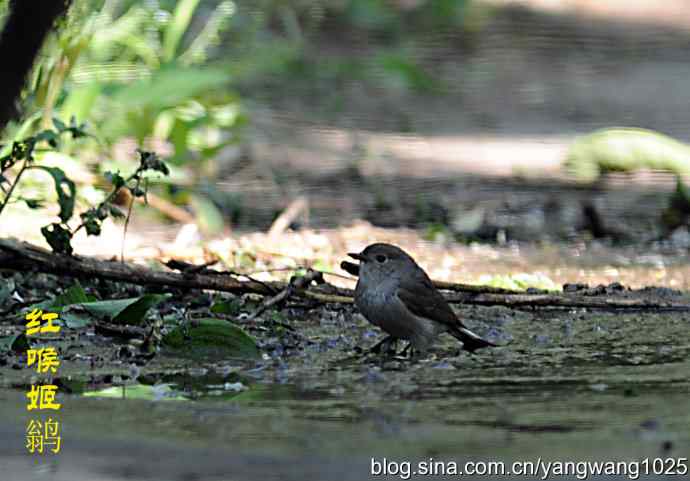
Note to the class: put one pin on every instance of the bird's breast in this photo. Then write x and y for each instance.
(374, 302)
(382, 307)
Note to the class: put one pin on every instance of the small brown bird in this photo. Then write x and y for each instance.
(395, 294)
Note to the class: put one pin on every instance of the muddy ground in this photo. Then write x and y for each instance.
(569, 384)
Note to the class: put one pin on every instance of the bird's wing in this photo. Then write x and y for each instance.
(426, 301)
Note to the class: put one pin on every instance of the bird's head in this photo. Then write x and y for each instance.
(383, 261)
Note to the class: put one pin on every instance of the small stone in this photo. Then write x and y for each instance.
(574, 287)
(234, 386)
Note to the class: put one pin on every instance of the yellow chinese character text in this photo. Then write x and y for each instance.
(45, 359)
(34, 325)
(34, 436)
(42, 397)
(40, 435)
(52, 435)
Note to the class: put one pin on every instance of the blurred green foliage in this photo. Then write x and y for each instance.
(625, 149)
(180, 72)
(318, 46)
(170, 70)
(140, 70)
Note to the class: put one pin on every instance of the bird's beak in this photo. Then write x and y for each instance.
(359, 257)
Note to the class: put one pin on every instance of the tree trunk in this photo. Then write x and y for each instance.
(27, 25)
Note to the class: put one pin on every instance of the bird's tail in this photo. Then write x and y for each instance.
(470, 341)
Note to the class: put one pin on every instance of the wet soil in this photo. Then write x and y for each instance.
(569, 384)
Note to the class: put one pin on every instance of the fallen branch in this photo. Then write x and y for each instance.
(27, 257)
(563, 301)
(296, 284)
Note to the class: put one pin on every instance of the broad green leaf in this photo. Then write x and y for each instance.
(124, 311)
(170, 87)
(211, 339)
(73, 295)
(136, 312)
(159, 392)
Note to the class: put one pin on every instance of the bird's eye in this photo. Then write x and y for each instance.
(381, 258)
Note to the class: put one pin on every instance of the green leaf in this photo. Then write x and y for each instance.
(16, 343)
(209, 36)
(92, 228)
(65, 198)
(73, 295)
(91, 219)
(170, 87)
(231, 307)
(124, 311)
(59, 124)
(184, 10)
(151, 161)
(212, 339)
(58, 238)
(159, 392)
(114, 178)
(33, 203)
(136, 312)
(49, 136)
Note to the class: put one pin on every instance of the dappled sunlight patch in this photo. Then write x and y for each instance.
(520, 282)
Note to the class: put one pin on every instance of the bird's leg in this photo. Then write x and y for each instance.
(408, 351)
(388, 348)
(392, 347)
(379, 346)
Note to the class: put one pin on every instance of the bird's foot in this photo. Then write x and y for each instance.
(387, 346)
